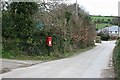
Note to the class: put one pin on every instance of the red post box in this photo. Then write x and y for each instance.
(49, 41)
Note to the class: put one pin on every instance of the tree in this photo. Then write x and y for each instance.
(18, 24)
(104, 34)
(116, 21)
(58, 21)
(21, 13)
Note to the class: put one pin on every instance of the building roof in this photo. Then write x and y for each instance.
(113, 28)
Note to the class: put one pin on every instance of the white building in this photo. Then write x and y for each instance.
(113, 30)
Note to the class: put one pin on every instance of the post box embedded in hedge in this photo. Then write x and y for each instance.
(49, 41)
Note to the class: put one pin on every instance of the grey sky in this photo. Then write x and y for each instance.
(99, 7)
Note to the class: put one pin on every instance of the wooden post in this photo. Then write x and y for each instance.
(76, 11)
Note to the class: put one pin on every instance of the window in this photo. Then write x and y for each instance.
(115, 31)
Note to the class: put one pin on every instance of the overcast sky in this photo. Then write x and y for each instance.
(99, 7)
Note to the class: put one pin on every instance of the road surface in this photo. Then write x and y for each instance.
(86, 65)
(9, 64)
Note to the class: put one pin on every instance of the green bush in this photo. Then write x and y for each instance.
(104, 36)
(98, 39)
(22, 36)
(116, 59)
(113, 37)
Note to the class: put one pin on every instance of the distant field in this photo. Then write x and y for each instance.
(105, 20)
(102, 17)
(102, 25)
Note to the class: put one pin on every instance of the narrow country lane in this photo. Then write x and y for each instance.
(86, 65)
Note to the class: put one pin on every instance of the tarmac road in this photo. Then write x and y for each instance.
(86, 65)
(9, 64)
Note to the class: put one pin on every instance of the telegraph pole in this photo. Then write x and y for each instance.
(76, 10)
(118, 28)
(118, 19)
(108, 27)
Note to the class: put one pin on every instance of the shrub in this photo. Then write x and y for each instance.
(113, 37)
(98, 39)
(68, 33)
(104, 36)
(116, 59)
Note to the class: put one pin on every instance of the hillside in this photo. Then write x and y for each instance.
(103, 21)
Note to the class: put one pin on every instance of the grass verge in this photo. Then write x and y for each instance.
(43, 58)
(116, 60)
